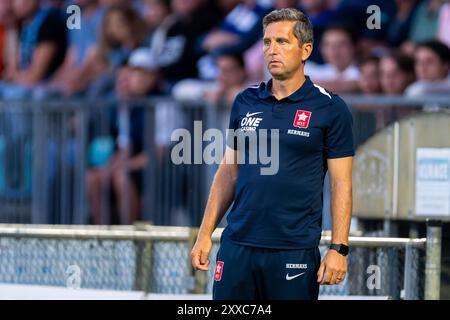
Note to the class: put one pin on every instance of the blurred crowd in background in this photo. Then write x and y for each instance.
(212, 49)
(206, 50)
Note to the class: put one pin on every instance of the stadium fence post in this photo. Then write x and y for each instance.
(144, 262)
(433, 260)
(411, 276)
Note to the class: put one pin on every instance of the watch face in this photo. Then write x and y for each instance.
(344, 249)
(341, 248)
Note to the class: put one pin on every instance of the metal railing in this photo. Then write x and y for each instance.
(156, 259)
(56, 159)
(55, 155)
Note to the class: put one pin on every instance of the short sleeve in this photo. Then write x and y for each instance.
(233, 123)
(339, 135)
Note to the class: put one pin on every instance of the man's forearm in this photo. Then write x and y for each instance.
(219, 200)
(341, 208)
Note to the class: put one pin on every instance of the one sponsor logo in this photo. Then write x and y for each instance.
(298, 133)
(296, 266)
(301, 119)
(248, 115)
(288, 277)
(218, 272)
(249, 122)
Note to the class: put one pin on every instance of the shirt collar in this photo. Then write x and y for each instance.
(264, 90)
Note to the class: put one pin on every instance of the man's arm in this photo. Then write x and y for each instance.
(340, 172)
(41, 60)
(83, 75)
(334, 265)
(63, 71)
(219, 200)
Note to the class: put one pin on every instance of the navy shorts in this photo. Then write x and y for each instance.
(254, 273)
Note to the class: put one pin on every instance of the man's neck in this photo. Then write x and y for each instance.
(284, 88)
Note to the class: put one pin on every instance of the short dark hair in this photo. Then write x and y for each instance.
(370, 59)
(404, 62)
(303, 29)
(439, 48)
(346, 28)
(236, 57)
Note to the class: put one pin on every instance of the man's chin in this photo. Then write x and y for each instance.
(278, 75)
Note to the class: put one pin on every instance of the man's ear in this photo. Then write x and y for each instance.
(307, 49)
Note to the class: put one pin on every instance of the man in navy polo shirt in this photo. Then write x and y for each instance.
(269, 249)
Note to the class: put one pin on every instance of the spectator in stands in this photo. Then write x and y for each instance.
(396, 73)
(443, 33)
(424, 22)
(321, 17)
(122, 31)
(432, 65)
(369, 82)
(239, 30)
(140, 78)
(8, 37)
(42, 47)
(354, 12)
(160, 18)
(399, 27)
(230, 81)
(339, 73)
(124, 167)
(74, 74)
(176, 47)
(155, 12)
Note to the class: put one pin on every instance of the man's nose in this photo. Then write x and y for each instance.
(272, 50)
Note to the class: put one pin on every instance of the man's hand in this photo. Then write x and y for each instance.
(200, 253)
(332, 269)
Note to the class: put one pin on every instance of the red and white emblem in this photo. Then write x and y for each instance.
(302, 119)
(218, 272)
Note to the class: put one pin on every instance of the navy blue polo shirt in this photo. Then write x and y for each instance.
(284, 210)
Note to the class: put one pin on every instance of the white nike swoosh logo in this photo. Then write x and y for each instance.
(252, 114)
(293, 277)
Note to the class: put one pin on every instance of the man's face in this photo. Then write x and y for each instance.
(393, 79)
(337, 49)
(428, 65)
(141, 81)
(283, 53)
(230, 72)
(369, 81)
(24, 9)
(155, 12)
